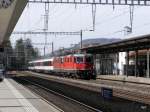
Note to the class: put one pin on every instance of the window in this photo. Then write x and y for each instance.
(62, 60)
(79, 59)
(67, 59)
(74, 59)
(47, 63)
(88, 59)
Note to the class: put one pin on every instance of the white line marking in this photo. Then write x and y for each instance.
(28, 107)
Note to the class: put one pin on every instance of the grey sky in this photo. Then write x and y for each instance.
(65, 17)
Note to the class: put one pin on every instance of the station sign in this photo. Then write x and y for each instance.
(107, 93)
(5, 3)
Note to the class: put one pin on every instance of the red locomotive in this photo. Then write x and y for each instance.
(76, 65)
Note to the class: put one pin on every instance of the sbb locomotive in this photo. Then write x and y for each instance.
(75, 65)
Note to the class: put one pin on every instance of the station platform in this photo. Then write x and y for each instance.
(123, 78)
(16, 98)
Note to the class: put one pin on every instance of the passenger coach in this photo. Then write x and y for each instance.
(41, 65)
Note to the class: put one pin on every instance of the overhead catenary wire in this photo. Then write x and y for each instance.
(100, 2)
(110, 19)
(120, 31)
(131, 10)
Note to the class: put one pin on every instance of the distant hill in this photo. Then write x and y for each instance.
(96, 41)
(86, 43)
(99, 41)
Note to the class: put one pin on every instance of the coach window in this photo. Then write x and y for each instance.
(61, 60)
(45, 63)
(41, 63)
(74, 59)
(50, 63)
(70, 59)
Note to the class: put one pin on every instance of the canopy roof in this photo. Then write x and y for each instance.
(131, 44)
(9, 15)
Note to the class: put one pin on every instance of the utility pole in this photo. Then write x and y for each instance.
(81, 39)
(52, 48)
(131, 16)
(25, 56)
(46, 17)
(93, 15)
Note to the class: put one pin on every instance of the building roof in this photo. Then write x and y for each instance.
(131, 44)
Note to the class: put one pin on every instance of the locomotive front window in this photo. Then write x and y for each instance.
(88, 59)
(79, 59)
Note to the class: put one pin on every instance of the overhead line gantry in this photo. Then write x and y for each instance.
(102, 2)
(48, 33)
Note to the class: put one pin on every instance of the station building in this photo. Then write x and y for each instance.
(128, 57)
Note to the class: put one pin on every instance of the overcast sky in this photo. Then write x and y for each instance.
(66, 17)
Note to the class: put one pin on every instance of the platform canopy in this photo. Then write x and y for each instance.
(131, 44)
(10, 11)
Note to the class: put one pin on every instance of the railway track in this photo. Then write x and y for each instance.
(134, 98)
(67, 104)
(127, 90)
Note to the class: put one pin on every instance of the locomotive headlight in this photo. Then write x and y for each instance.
(5, 3)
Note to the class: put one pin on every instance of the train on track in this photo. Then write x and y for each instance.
(75, 66)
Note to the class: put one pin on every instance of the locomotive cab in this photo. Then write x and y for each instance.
(84, 66)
